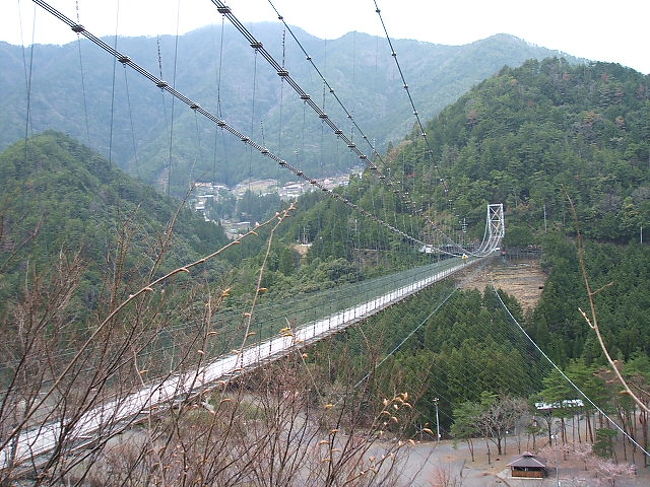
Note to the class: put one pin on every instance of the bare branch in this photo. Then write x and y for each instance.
(592, 319)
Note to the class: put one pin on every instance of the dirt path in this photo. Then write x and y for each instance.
(522, 278)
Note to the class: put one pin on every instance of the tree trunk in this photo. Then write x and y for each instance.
(487, 442)
(644, 425)
(626, 429)
(589, 433)
(534, 438)
(470, 446)
(631, 420)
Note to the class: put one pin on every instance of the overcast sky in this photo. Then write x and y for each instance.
(612, 30)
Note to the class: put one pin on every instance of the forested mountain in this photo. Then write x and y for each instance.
(622, 305)
(358, 66)
(532, 136)
(59, 199)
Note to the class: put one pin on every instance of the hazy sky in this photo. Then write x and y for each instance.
(604, 30)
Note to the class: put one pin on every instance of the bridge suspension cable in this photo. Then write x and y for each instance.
(420, 125)
(393, 186)
(254, 43)
(163, 85)
(347, 112)
(337, 321)
(283, 73)
(423, 132)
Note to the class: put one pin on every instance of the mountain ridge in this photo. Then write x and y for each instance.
(357, 65)
(59, 196)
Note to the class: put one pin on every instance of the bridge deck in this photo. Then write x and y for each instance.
(115, 416)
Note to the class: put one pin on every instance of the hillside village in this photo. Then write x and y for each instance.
(207, 195)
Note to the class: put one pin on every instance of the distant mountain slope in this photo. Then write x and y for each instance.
(531, 136)
(69, 198)
(359, 67)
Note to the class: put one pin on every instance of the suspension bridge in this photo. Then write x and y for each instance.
(112, 417)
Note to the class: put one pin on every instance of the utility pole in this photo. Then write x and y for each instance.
(544, 217)
(435, 401)
(464, 227)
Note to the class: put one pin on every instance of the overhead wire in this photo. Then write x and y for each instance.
(440, 387)
(257, 45)
(326, 120)
(284, 55)
(327, 87)
(218, 132)
(160, 74)
(29, 71)
(133, 137)
(83, 82)
(170, 163)
(422, 133)
(330, 89)
(220, 71)
(394, 187)
(426, 381)
(22, 40)
(407, 338)
(112, 124)
(566, 378)
(199, 149)
(252, 129)
(125, 60)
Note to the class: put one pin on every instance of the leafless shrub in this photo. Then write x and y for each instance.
(601, 471)
(275, 427)
(443, 476)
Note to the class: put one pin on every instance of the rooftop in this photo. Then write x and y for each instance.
(528, 460)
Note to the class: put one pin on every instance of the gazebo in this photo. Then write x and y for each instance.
(528, 466)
